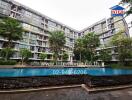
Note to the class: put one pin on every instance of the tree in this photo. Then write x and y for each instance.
(86, 47)
(25, 55)
(6, 53)
(56, 42)
(91, 42)
(10, 29)
(42, 56)
(104, 55)
(65, 56)
(123, 45)
(79, 48)
(129, 3)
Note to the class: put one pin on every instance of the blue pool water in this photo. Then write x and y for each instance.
(23, 72)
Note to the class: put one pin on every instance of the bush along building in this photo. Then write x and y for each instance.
(37, 27)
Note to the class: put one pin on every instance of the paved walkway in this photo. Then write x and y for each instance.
(70, 94)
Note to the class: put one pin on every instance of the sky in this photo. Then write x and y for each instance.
(77, 14)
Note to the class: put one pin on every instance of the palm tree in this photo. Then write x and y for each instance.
(79, 47)
(10, 29)
(57, 42)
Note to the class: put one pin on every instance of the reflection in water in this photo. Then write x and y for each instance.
(103, 69)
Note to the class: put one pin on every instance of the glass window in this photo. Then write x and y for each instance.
(23, 46)
(24, 40)
(4, 5)
(32, 48)
(25, 34)
(67, 30)
(51, 23)
(51, 28)
(27, 14)
(32, 41)
(33, 36)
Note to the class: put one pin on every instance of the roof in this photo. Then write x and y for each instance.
(117, 7)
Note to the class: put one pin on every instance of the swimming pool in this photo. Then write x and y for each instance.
(18, 78)
(27, 72)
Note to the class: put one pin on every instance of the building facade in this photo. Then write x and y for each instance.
(106, 29)
(37, 27)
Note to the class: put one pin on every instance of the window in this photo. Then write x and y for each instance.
(25, 34)
(33, 42)
(71, 40)
(33, 36)
(4, 5)
(28, 14)
(67, 30)
(32, 48)
(39, 43)
(51, 23)
(23, 46)
(40, 37)
(27, 26)
(51, 28)
(13, 7)
(59, 26)
(36, 19)
(24, 40)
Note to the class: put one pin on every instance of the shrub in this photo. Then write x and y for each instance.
(129, 65)
(35, 64)
(65, 56)
(8, 62)
(6, 53)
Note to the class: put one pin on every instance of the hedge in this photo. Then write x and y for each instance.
(8, 62)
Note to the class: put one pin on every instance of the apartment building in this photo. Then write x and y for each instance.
(106, 29)
(37, 27)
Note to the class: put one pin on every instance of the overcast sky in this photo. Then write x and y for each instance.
(77, 14)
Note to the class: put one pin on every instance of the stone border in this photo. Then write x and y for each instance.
(100, 89)
(103, 81)
(61, 80)
(39, 89)
(84, 86)
(39, 81)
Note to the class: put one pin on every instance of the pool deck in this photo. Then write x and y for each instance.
(77, 93)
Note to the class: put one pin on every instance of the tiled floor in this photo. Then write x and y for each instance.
(70, 94)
